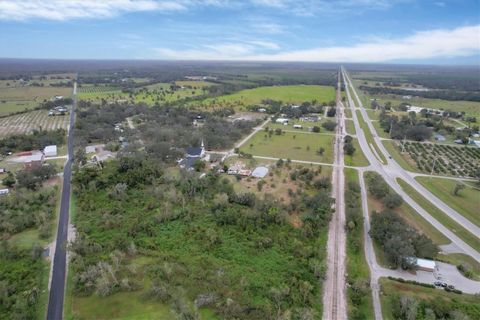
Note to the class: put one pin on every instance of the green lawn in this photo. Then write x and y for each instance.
(286, 94)
(451, 224)
(467, 202)
(350, 127)
(358, 159)
(299, 146)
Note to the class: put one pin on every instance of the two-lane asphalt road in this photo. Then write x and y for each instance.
(57, 285)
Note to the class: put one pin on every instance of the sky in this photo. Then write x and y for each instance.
(378, 31)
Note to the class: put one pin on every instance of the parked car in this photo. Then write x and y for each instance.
(438, 283)
(444, 284)
(451, 287)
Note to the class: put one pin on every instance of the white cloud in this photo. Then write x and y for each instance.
(73, 9)
(236, 51)
(463, 41)
(312, 7)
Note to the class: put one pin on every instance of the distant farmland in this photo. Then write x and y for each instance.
(29, 121)
(286, 94)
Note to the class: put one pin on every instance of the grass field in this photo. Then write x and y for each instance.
(350, 127)
(29, 121)
(277, 183)
(373, 114)
(286, 94)
(467, 202)
(358, 159)
(293, 146)
(469, 107)
(390, 287)
(306, 125)
(451, 224)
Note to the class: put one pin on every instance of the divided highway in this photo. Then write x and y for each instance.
(391, 171)
(57, 285)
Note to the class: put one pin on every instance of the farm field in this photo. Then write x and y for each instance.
(287, 94)
(459, 161)
(150, 94)
(291, 146)
(467, 202)
(15, 99)
(29, 121)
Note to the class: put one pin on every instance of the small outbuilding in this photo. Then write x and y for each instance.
(297, 126)
(50, 151)
(4, 191)
(260, 172)
(282, 120)
(423, 264)
(439, 137)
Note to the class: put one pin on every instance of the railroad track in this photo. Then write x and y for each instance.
(334, 290)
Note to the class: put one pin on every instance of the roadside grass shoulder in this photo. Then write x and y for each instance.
(381, 133)
(350, 127)
(398, 157)
(358, 271)
(451, 224)
(467, 202)
(369, 137)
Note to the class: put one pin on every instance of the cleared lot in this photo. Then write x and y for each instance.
(301, 146)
